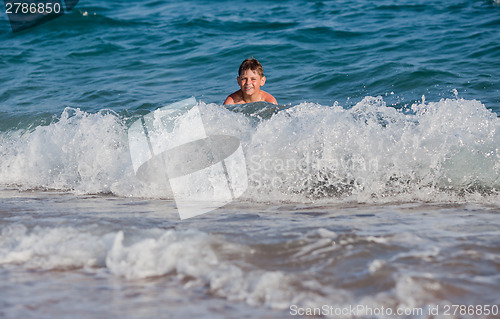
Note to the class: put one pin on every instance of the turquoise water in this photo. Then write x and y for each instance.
(376, 184)
(125, 56)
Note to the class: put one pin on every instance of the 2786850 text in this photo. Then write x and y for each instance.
(32, 8)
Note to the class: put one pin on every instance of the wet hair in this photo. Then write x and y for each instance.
(251, 64)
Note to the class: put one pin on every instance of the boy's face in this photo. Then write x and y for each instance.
(250, 82)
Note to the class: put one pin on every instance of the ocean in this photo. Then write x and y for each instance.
(372, 191)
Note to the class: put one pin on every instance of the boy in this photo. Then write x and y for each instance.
(251, 78)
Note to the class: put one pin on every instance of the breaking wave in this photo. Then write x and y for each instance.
(444, 150)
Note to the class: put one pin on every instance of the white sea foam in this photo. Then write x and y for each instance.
(441, 150)
(194, 256)
(190, 255)
(55, 248)
(195, 259)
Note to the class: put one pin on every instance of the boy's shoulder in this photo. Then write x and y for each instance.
(234, 98)
(268, 97)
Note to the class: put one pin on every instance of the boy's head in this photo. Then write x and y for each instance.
(251, 64)
(251, 77)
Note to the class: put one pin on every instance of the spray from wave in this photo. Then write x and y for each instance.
(374, 151)
(441, 150)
